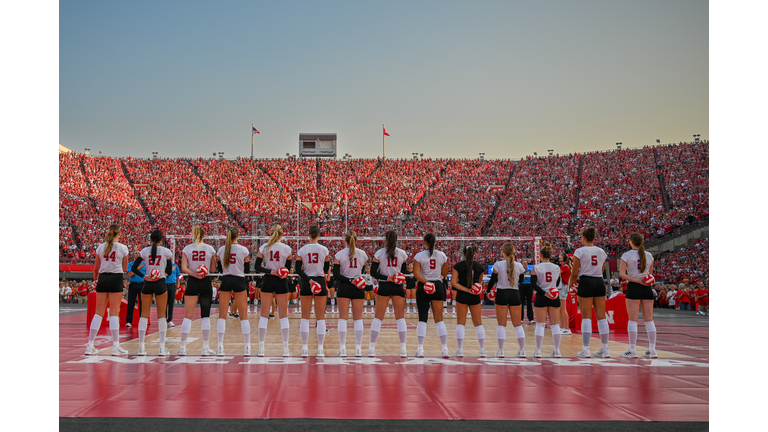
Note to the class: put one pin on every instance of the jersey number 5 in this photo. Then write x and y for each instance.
(594, 260)
(232, 259)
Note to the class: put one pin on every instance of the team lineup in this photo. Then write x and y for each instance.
(430, 275)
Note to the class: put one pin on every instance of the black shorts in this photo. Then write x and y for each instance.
(439, 294)
(110, 283)
(306, 291)
(388, 289)
(636, 291)
(157, 287)
(542, 301)
(233, 283)
(274, 284)
(368, 288)
(198, 287)
(508, 297)
(349, 291)
(590, 286)
(466, 298)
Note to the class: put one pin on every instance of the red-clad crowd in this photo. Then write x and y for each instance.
(690, 264)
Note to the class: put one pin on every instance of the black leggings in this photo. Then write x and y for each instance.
(205, 305)
(423, 305)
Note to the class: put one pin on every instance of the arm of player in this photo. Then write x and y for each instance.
(300, 271)
(493, 281)
(337, 272)
(375, 272)
(417, 272)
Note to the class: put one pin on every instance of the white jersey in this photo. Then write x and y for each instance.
(236, 259)
(390, 266)
(276, 256)
(155, 262)
(368, 279)
(199, 254)
(547, 275)
(502, 269)
(112, 263)
(313, 259)
(591, 260)
(351, 268)
(431, 266)
(632, 258)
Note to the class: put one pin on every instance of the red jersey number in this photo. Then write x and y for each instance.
(353, 263)
(232, 259)
(110, 257)
(154, 260)
(594, 260)
(313, 258)
(274, 255)
(432, 264)
(198, 255)
(548, 276)
(392, 262)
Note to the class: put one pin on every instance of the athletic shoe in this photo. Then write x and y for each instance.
(231, 315)
(483, 354)
(142, 350)
(260, 352)
(358, 352)
(271, 316)
(565, 331)
(584, 353)
(320, 353)
(305, 352)
(247, 352)
(343, 352)
(163, 351)
(91, 350)
(207, 351)
(500, 353)
(603, 353)
(521, 353)
(459, 353)
(650, 354)
(182, 351)
(628, 354)
(537, 354)
(445, 353)
(556, 354)
(286, 353)
(220, 351)
(127, 324)
(371, 352)
(419, 353)
(533, 323)
(171, 324)
(403, 353)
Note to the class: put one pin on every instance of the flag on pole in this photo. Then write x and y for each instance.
(255, 131)
(385, 131)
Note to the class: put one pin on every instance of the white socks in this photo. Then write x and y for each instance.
(162, 326)
(442, 333)
(586, 332)
(320, 333)
(520, 333)
(501, 336)
(421, 333)
(632, 332)
(304, 332)
(142, 329)
(205, 328)
(650, 327)
(245, 327)
(95, 325)
(602, 327)
(285, 328)
(402, 332)
(480, 332)
(375, 329)
(539, 335)
(460, 336)
(114, 325)
(186, 327)
(221, 326)
(556, 336)
(262, 330)
(358, 334)
(343, 333)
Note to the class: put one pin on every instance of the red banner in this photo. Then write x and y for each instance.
(589, 212)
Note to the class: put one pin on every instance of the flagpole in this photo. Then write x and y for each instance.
(251, 140)
(383, 149)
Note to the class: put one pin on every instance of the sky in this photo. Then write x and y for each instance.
(449, 79)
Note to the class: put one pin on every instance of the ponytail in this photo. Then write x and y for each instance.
(110, 237)
(351, 239)
(156, 237)
(232, 235)
(546, 250)
(275, 234)
(430, 239)
(508, 249)
(637, 240)
(391, 238)
(197, 234)
(469, 255)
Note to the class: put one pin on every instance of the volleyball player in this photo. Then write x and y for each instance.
(588, 268)
(157, 258)
(386, 264)
(565, 276)
(312, 264)
(111, 261)
(199, 288)
(235, 263)
(369, 281)
(465, 274)
(635, 265)
(430, 266)
(545, 276)
(506, 277)
(410, 288)
(347, 266)
(275, 255)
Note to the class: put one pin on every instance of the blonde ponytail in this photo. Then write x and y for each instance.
(114, 230)
(198, 234)
(351, 239)
(508, 249)
(275, 233)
